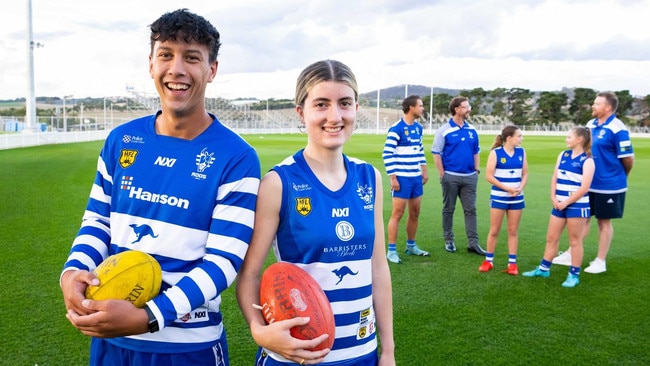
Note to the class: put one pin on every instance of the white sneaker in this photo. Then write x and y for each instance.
(564, 259)
(596, 266)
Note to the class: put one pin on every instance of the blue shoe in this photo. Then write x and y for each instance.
(537, 273)
(414, 250)
(393, 257)
(571, 280)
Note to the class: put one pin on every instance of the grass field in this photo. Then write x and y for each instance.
(446, 312)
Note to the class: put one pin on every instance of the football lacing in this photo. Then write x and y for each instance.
(266, 312)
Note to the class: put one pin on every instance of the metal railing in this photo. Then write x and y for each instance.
(50, 129)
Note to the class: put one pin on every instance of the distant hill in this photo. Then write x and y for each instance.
(397, 92)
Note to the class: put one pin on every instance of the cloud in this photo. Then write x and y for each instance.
(542, 44)
(618, 48)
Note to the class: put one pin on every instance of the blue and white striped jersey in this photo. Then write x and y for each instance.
(569, 179)
(508, 171)
(191, 205)
(331, 235)
(403, 151)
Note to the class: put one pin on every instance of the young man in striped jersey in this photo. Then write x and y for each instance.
(180, 186)
(407, 168)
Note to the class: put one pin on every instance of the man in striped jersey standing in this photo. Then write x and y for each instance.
(180, 186)
(407, 168)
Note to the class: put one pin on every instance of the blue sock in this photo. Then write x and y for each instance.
(512, 258)
(545, 265)
(489, 257)
(392, 247)
(574, 270)
(410, 243)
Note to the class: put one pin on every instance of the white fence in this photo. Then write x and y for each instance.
(17, 140)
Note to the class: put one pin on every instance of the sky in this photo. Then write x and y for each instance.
(99, 48)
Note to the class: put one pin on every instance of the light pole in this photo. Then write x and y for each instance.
(104, 113)
(378, 98)
(65, 118)
(431, 111)
(30, 105)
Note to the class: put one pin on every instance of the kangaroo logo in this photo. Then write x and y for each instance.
(341, 272)
(142, 231)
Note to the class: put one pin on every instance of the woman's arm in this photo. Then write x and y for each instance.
(382, 292)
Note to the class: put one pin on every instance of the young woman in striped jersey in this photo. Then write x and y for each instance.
(570, 184)
(322, 211)
(507, 170)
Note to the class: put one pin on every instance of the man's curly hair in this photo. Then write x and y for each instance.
(188, 27)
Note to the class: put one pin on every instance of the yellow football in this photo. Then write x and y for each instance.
(132, 275)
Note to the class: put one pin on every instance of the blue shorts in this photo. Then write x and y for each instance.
(572, 213)
(409, 187)
(105, 353)
(507, 206)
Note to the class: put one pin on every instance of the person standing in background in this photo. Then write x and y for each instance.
(406, 167)
(455, 152)
(614, 158)
(507, 171)
(572, 176)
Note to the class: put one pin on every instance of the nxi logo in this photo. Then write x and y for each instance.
(166, 162)
(341, 212)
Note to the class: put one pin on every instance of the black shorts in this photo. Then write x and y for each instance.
(607, 205)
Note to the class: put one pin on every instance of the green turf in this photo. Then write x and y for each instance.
(446, 312)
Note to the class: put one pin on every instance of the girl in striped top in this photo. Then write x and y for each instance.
(507, 170)
(570, 184)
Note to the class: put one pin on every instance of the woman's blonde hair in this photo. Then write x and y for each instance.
(585, 133)
(325, 70)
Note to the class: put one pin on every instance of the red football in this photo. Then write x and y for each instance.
(286, 292)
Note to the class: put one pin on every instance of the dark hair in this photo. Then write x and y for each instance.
(611, 99)
(410, 101)
(455, 103)
(501, 139)
(188, 27)
(325, 70)
(585, 133)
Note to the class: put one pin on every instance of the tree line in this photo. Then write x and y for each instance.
(524, 107)
(518, 105)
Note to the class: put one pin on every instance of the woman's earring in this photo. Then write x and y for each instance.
(301, 127)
